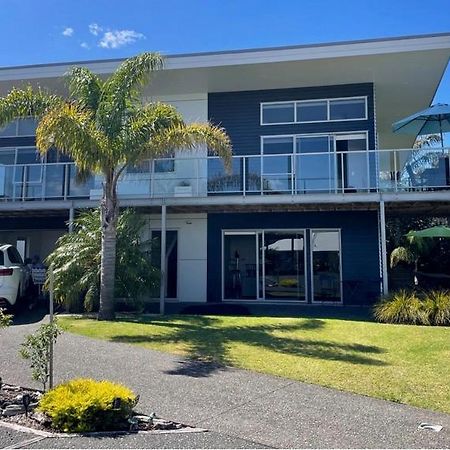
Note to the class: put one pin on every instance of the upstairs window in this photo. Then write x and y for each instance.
(312, 111)
(305, 111)
(21, 127)
(348, 109)
(278, 113)
(273, 145)
(9, 130)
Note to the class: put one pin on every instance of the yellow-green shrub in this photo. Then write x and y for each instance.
(437, 307)
(417, 308)
(84, 405)
(401, 307)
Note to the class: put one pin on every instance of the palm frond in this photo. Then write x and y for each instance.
(85, 87)
(122, 89)
(132, 74)
(73, 132)
(402, 254)
(144, 124)
(189, 137)
(26, 103)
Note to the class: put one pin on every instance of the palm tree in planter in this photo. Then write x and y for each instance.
(104, 127)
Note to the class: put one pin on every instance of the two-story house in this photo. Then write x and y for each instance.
(316, 169)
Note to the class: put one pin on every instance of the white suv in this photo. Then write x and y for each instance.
(15, 277)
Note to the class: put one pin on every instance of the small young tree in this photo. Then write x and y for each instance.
(36, 348)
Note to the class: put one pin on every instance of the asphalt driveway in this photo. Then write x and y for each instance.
(240, 408)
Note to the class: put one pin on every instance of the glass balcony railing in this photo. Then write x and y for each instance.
(400, 170)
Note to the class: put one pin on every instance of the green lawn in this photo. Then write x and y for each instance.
(402, 363)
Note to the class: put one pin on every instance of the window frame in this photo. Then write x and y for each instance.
(295, 136)
(284, 102)
(16, 123)
(327, 100)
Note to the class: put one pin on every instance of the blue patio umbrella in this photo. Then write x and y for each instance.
(435, 119)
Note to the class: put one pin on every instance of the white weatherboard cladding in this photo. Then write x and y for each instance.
(192, 253)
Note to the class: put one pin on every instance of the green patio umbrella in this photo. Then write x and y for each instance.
(439, 231)
(435, 119)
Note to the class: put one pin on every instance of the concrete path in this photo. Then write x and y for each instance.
(241, 408)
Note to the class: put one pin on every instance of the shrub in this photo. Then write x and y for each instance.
(5, 319)
(426, 308)
(85, 405)
(401, 307)
(437, 307)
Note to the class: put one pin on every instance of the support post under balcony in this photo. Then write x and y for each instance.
(162, 278)
(383, 248)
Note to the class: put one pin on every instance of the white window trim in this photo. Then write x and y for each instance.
(327, 100)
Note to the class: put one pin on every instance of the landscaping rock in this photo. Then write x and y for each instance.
(13, 410)
(144, 419)
(161, 424)
(41, 418)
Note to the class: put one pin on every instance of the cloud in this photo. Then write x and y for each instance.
(85, 45)
(68, 31)
(95, 29)
(119, 38)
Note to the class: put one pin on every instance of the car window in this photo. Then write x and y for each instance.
(2, 259)
(14, 256)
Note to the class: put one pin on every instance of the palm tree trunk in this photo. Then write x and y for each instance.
(109, 215)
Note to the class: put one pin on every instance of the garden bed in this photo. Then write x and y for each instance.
(14, 411)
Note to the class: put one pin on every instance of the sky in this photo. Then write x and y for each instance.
(44, 31)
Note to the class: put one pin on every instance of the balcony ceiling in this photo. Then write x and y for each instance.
(405, 71)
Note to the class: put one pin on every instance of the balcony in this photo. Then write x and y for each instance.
(351, 172)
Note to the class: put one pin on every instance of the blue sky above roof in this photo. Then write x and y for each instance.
(33, 32)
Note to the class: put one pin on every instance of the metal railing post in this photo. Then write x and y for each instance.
(66, 181)
(24, 182)
(197, 175)
(293, 189)
(395, 172)
(152, 178)
(244, 178)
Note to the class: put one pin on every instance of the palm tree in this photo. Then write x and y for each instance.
(105, 128)
(77, 262)
(410, 253)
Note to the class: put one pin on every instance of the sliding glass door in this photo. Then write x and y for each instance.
(240, 265)
(316, 168)
(266, 264)
(353, 162)
(284, 265)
